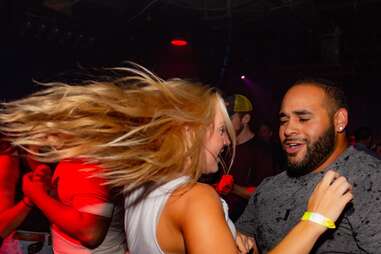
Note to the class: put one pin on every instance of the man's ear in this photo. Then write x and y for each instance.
(341, 119)
(246, 118)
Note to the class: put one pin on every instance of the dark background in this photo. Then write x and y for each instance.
(273, 43)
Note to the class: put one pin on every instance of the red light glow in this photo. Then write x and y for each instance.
(179, 42)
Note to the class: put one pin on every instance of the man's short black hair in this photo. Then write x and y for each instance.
(334, 93)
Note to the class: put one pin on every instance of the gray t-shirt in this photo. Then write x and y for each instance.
(280, 202)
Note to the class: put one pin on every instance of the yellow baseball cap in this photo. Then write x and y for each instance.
(238, 103)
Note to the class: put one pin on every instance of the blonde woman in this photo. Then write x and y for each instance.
(153, 139)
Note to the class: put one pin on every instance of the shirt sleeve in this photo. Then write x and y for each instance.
(79, 186)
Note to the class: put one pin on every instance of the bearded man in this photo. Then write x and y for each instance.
(313, 118)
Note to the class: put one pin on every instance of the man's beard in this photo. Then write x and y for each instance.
(316, 154)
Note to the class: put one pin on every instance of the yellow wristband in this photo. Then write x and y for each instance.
(319, 219)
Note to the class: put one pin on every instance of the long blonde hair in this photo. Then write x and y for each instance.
(133, 126)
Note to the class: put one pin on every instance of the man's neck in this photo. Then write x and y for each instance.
(341, 146)
(245, 135)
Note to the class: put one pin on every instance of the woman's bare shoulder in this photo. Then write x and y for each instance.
(195, 199)
(199, 214)
(195, 192)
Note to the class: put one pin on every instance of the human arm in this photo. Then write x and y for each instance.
(257, 166)
(245, 243)
(203, 223)
(11, 214)
(243, 191)
(329, 199)
(226, 185)
(12, 217)
(87, 228)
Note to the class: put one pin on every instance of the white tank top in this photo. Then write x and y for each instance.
(141, 220)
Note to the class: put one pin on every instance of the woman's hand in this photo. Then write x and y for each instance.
(329, 199)
(37, 182)
(43, 174)
(246, 243)
(330, 196)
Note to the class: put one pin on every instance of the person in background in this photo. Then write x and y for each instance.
(265, 132)
(377, 150)
(83, 215)
(253, 158)
(23, 226)
(364, 139)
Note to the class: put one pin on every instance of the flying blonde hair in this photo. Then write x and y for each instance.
(141, 129)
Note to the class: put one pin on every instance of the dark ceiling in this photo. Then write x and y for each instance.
(275, 33)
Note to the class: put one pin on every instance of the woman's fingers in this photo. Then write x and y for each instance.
(331, 195)
(42, 169)
(328, 179)
(342, 187)
(42, 172)
(347, 197)
(244, 242)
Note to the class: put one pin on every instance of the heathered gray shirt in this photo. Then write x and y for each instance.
(280, 202)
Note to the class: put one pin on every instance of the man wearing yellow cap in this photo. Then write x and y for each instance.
(253, 161)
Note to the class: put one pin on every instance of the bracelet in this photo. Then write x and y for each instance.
(27, 204)
(319, 219)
